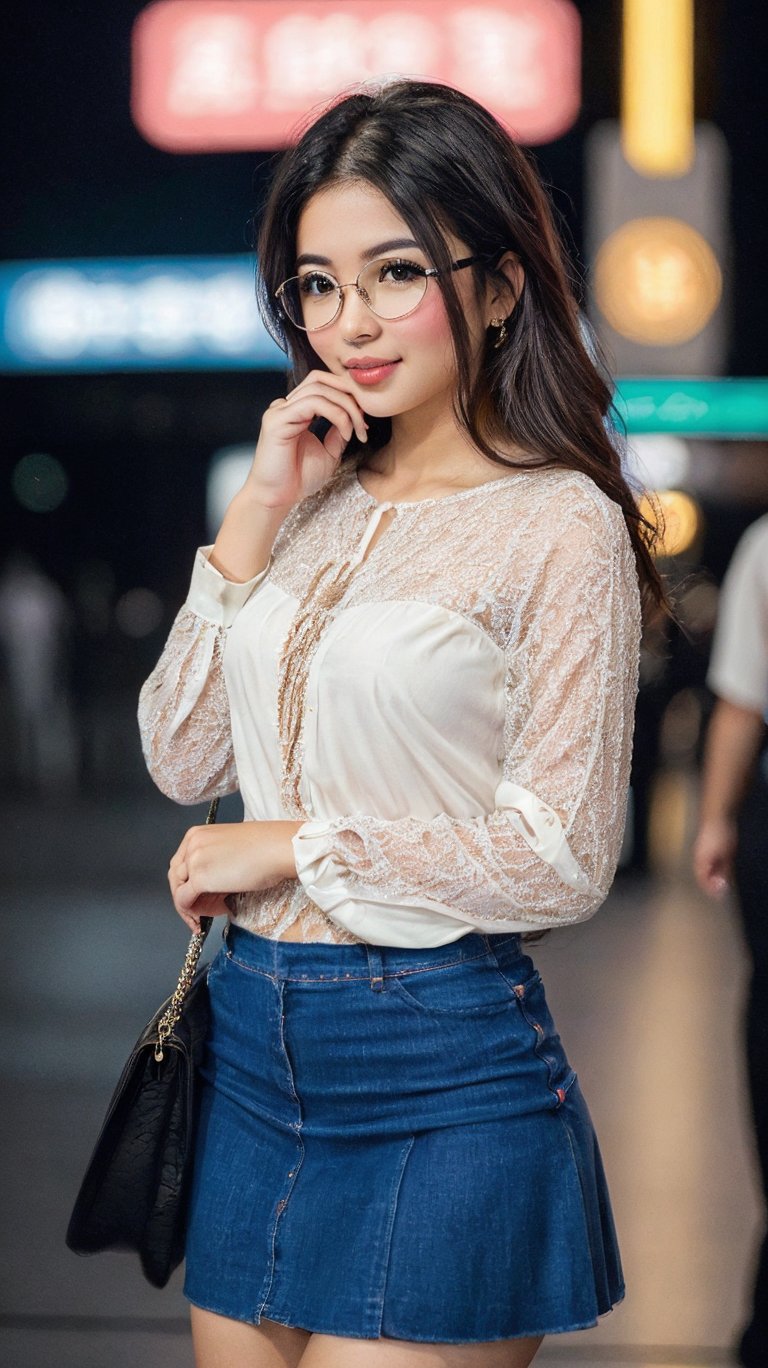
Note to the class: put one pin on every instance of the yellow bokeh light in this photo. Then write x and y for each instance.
(657, 281)
(657, 86)
(678, 515)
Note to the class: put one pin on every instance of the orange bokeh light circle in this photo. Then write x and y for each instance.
(657, 281)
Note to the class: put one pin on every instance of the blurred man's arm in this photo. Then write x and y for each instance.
(734, 740)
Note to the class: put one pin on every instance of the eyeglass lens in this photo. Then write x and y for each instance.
(390, 288)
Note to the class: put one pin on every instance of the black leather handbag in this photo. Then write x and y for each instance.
(136, 1186)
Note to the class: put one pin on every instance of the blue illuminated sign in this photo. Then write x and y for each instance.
(163, 313)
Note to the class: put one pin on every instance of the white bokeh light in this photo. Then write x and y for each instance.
(658, 460)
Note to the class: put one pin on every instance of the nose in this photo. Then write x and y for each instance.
(357, 319)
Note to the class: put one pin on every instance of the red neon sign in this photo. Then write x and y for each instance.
(229, 75)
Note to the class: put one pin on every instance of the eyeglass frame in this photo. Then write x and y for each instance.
(428, 272)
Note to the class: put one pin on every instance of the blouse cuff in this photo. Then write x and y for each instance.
(541, 829)
(317, 865)
(214, 598)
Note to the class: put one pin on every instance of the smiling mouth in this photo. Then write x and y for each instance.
(372, 373)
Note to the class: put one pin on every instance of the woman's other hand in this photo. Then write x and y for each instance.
(236, 857)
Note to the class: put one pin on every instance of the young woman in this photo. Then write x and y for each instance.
(413, 648)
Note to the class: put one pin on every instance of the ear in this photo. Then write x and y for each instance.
(504, 287)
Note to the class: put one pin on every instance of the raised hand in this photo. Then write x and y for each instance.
(290, 461)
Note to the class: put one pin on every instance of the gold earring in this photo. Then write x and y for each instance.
(501, 324)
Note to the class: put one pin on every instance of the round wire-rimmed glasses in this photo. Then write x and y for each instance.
(391, 287)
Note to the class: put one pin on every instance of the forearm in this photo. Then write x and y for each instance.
(733, 744)
(281, 857)
(244, 544)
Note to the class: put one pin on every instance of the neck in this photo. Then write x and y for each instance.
(427, 448)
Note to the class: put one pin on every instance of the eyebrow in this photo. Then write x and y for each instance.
(381, 249)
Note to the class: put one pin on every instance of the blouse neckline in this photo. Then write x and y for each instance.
(436, 498)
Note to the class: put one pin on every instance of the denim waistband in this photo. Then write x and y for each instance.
(313, 960)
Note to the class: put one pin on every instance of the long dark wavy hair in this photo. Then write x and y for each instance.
(445, 164)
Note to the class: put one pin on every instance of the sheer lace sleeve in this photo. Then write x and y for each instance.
(183, 707)
(548, 851)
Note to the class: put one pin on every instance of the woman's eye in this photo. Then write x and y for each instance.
(400, 272)
(315, 283)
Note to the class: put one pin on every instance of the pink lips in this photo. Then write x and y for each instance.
(370, 370)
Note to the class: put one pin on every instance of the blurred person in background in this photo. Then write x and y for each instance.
(35, 626)
(414, 648)
(731, 846)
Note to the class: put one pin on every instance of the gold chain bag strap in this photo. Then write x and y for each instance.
(170, 1018)
(135, 1189)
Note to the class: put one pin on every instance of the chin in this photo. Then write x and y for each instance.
(378, 406)
(389, 406)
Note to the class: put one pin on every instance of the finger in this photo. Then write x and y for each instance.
(316, 392)
(296, 415)
(343, 383)
(334, 443)
(321, 383)
(191, 921)
(178, 873)
(304, 408)
(185, 896)
(187, 914)
(348, 402)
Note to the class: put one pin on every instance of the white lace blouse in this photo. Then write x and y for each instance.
(449, 716)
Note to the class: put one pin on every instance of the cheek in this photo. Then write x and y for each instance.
(427, 336)
(428, 326)
(321, 346)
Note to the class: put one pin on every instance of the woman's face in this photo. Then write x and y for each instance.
(340, 230)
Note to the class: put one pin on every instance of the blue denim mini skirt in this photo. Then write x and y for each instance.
(393, 1143)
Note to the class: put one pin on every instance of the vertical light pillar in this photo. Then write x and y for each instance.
(657, 134)
(658, 250)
